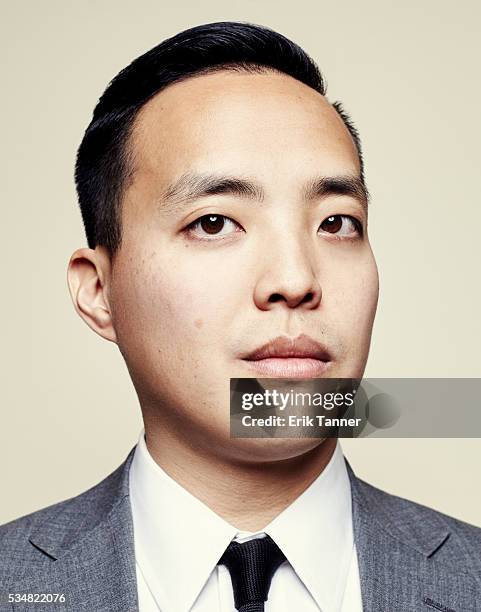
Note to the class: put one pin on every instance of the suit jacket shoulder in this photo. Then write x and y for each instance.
(411, 557)
(31, 543)
(452, 541)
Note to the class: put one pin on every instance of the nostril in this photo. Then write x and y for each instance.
(308, 297)
(275, 297)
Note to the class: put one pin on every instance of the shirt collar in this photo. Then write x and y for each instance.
(177, 534)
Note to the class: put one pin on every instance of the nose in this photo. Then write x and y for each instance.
(288, 279)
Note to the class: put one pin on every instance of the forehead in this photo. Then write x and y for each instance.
(239, 121)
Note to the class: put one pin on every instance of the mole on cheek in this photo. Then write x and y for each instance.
(198, 323)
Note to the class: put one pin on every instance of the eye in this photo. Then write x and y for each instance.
(212, 225)
(342, 226)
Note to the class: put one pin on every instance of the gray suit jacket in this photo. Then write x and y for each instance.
(411, 558)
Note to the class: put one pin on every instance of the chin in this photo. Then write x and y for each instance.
(264, 450)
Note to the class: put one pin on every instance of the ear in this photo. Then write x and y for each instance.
(88, 278)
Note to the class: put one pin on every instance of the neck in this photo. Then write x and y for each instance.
(248, 495)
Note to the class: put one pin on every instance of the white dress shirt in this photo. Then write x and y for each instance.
(178, 541)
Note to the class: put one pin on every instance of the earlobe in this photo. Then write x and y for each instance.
(87, 277)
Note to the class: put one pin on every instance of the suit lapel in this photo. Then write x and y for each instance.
(396, 545)
(92, 558)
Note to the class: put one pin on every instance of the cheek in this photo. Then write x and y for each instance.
(168, 300)
(352, 295)
(173, 313)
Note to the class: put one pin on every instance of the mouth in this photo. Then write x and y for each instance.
(284, 357)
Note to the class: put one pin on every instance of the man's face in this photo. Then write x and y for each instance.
(200, 283)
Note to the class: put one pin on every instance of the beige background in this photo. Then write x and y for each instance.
(408, 73)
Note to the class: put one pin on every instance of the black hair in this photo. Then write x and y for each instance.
(104, 162)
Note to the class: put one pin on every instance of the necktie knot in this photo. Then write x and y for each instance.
(252, 565)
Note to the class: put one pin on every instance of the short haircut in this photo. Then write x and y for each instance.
(104, 161)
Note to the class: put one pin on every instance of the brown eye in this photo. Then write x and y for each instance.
(341, 225)
(332, 224)
(212, 224)
(212, 227)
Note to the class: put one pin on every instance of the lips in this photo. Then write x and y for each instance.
(300, 357)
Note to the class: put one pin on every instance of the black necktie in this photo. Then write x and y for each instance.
(251, 566)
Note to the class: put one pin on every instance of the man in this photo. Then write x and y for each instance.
(225, 209)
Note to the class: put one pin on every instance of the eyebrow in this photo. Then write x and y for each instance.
(191, 186)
